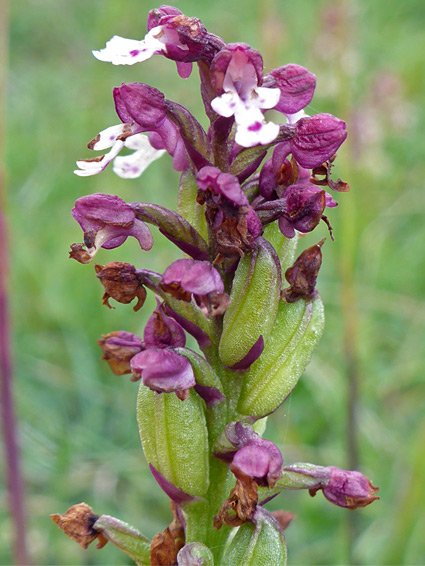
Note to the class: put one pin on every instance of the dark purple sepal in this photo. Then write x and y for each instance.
(316, 139)
(173, 492)
(163, 371)
(210, 395)
(162, 331)
(251, 356)
(140, 103)
(174, 227)
(296, 85)
(155, 15)
(201, 337)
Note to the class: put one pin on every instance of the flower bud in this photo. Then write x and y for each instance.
(195, 554)
(273, 376)
(257, 543)
(118, 349)
(253, 303)
(121, 283)
(162, 331)
(175, 439)
(164, 371)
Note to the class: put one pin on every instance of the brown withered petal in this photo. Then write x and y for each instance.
(79, 253)
(240, 505)
(166, 545)
(324, 171)
(121, 283)
(284, 518)
(118, 348)
(302, 276)
(78, 523)
(176, 291)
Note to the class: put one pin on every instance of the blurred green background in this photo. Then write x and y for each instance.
(78, 432)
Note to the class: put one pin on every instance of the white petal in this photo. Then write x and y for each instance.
(266, 97)
(132, 166)
(93, 167)
(226, 104)
(122, 51)
(262, 136)
(106, 138)
(293, 118)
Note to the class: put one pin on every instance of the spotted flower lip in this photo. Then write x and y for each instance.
(170, 33)
(126, 167)
(164, 371)
(107, 221)
(236, 73)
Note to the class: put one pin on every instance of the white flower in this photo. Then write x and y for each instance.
(122, 51)
(128, 166)
(244, 99)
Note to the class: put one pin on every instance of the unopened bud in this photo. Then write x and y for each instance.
(118, 349)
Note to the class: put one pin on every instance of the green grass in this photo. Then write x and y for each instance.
(77, 421)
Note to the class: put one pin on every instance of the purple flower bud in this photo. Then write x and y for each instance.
(349, 489)
(118, 349)
(107, 221)
(249, 454)
(296, 85)
(161, 331)
(344, 488)
(187, 277)
(164, 371)
(316, 139)
(222, 185)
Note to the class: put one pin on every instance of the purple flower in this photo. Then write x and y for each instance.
(107, 221)
(233, 221)
(170, 33)
(344, 488)
(164, 371)
(162, 331)
(143, 109)
(349, 489)
(300, 208)
(296, 85)
(236, 74)
(315, 139)
(186, 278)
(249, 454)
(118, 349)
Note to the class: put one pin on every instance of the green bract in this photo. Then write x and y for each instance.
(253, 303)
(288, 350)
(257, 544)
(174, 435)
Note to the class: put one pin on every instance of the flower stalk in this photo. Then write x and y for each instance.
(248, 188)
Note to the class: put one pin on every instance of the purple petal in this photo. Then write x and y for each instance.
(173, 492)
(296, 85)
(197, 277)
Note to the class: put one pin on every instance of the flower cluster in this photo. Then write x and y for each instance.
(248, 187)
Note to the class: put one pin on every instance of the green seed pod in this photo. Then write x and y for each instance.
(175, 438)
(253, 303)
(273, 376)
(125, 537)
(260, 543)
